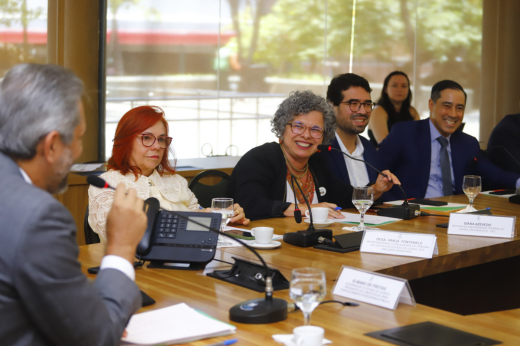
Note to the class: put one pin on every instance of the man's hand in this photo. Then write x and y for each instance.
(383, 184)
(126, 223)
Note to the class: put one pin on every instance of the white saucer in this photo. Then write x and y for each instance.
(273, 245)
(321, 224)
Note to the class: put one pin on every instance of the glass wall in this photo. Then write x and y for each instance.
(219, 68)
(23, 33)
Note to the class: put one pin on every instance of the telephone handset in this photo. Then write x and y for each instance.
(171, 237)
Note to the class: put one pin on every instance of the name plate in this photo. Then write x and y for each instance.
(373, 288)
(482, 225)
(400, 244)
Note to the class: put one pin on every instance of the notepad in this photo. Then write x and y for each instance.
(173, 325)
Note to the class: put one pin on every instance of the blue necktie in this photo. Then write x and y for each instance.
(447, 188)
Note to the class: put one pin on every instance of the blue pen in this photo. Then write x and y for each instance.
(337, 208)
(224, 343)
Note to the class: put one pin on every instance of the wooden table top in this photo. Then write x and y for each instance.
(343, 325)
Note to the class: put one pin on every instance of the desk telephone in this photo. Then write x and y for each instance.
(171, 241)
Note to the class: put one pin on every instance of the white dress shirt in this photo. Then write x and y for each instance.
(357, 171)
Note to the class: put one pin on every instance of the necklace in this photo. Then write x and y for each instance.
(302, 171)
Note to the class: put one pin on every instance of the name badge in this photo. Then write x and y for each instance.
(373, 288)
(400, 244)
(482, 225)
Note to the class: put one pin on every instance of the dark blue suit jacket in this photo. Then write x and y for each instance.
(406, 152)
(337, 160)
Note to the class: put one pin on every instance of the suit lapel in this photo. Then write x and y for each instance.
(370, 157)
(425, 151)
(339, 160)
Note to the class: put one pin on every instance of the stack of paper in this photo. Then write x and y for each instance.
(175, 324)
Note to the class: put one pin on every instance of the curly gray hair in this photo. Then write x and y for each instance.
(304, 102)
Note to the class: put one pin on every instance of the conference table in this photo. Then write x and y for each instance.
(347, 325)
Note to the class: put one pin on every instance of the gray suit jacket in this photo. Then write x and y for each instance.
(44, 297)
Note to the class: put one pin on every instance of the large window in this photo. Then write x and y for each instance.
(219, 68)
(23, 33)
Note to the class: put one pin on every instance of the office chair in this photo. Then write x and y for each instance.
(205, 193)
(91, 237)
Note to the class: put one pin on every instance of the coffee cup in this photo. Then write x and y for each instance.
(308, 336)
(263, 235)
(318, 214)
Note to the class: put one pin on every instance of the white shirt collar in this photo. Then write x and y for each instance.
(359, 146)
(25, 176)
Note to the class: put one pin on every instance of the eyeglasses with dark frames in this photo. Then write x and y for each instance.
(148, 140)
(299, 128)
(355, 105)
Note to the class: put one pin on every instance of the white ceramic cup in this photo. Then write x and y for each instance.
(318, 214)
(263, 235)
(308, 336)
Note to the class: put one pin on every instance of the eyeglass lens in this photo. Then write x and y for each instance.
(149, 140)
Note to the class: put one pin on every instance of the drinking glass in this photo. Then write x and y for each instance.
(224, 206)
(362, 197)
(472, 186)
(308, 287)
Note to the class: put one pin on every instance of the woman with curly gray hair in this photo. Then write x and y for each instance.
(261, 182)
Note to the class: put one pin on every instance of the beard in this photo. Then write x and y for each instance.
(59, 180)
(349, 128)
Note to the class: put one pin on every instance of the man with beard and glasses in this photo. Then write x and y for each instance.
(431, 157)
(350, 97)
(44, 297)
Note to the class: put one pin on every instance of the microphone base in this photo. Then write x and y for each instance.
(259, 311)
(515, 199)
(306, 238)
(400, 211)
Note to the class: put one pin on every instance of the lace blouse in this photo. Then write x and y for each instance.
(171, 190)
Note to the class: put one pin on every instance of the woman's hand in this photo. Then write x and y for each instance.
(333, 214)
(384, 184)
(240, 216)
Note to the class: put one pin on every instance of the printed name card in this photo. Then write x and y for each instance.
(373, 288)
(482, 225)
(400, 244)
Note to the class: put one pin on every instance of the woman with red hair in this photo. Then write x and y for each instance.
(139, 160)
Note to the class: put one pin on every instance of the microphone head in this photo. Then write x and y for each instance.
(97, 181)
(298, 216)
(324, 147)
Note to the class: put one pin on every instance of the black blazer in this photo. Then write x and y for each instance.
(258, 183)
(504, 144)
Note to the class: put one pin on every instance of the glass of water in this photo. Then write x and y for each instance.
(224, 206)
(362, 197)
(472, 186)
(308, 288)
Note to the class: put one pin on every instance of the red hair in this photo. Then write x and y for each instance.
(132, 124)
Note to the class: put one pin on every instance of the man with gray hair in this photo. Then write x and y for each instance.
(44, 297)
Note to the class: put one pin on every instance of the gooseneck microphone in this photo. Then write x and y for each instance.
(310, 236)
(98, 182)
(253, 311)
(404, 211)
(297, 211)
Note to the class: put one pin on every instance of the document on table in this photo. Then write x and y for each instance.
(448, 207)
(85, 167)
(370, 220)
(174, 324)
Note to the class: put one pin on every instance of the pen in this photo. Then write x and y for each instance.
(337, 208)
(224, 343)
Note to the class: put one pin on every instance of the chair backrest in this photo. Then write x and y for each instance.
(91, 237)
(205, 193)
